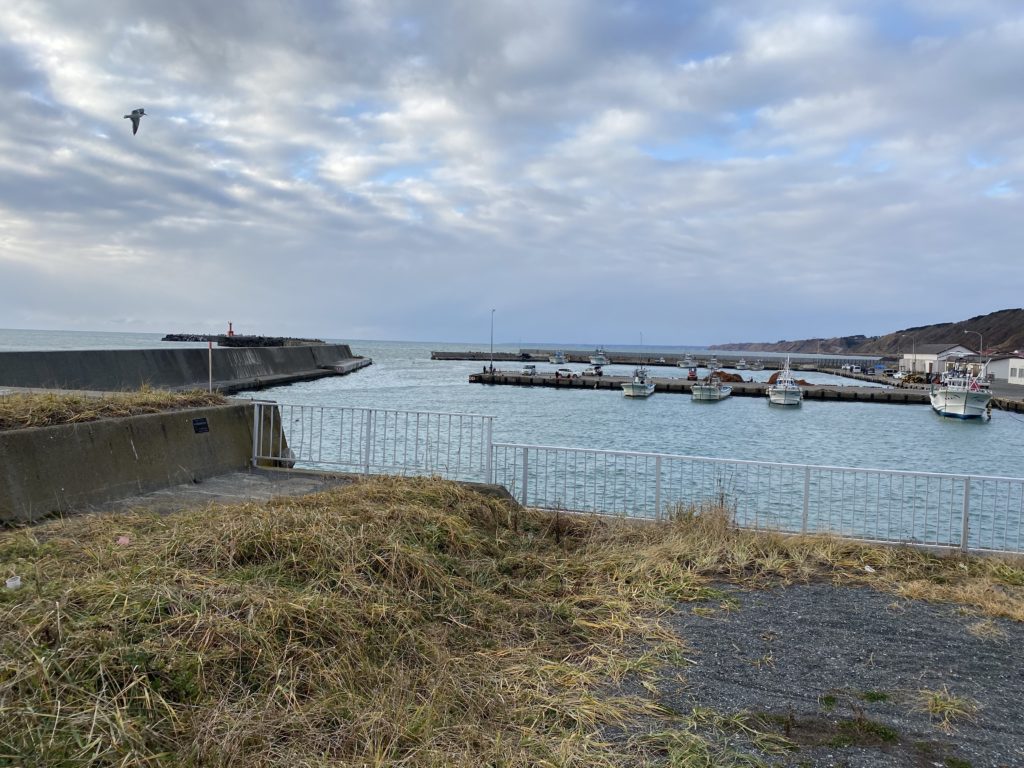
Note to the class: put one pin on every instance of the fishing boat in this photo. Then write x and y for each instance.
(785, 390)
(558, 358)
(961, 395)
(757, 365)
(599, 357)
(640, 386)
(713, 363)
(741, 365)
(710, 388)
(688, 362)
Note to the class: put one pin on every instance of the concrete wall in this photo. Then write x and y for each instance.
(127, 369)
(56, 469)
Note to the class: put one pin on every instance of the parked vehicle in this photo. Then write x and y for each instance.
(529, 370)
(593, 370)
(566, 373)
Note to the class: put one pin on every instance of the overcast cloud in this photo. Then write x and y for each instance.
(697, 172)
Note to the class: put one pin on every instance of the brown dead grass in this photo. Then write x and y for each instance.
(408, 622)
(22, 411)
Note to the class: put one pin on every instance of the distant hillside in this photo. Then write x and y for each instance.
(839, 345)
(1003, 331)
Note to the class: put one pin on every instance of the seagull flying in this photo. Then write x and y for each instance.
(136, 116)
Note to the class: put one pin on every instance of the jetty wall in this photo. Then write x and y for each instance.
(53, 470)
(128, 369)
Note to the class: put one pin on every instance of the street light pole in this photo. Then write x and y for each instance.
(492, 342)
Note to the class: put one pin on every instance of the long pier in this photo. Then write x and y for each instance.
(910, 395)
(725, 359)
(680, 386)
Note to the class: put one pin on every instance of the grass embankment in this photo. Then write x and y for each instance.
(391, 622)
(22, 411)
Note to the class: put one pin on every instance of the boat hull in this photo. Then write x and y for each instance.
(709, 394)
(960, 404)
(634, 389)
(784, 396)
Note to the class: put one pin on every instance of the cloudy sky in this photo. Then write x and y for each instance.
(696, 172)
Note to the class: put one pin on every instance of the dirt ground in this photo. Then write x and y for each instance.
(843, 673)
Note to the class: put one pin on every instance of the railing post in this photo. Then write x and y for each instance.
(257, 422)
(526, 462)
(966, 514)
(367, 432)
(657, 488)
(807, 499)
(489, 447)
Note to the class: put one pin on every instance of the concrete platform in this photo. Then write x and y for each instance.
(231, 488)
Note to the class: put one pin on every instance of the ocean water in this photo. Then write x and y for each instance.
(403, 377)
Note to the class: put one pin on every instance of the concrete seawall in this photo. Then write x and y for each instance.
(127, 369)
(56, 469)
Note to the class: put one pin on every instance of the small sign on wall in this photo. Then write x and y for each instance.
(200, 425)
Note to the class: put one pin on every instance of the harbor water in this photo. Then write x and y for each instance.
(850, 434)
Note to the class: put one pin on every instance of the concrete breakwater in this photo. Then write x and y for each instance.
(233, 369)
(57, 469)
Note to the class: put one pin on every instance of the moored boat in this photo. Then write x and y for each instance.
(640, 386)
(558, 358)
(688, 362)
(961, 395)
(784, 390)
(710, 388)
(741, 365)
(599, 357)
(757, 365)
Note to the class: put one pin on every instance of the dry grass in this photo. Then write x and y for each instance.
(21, 411)
(389, 622)
(946, 708)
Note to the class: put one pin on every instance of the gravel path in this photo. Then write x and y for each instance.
(840, 670)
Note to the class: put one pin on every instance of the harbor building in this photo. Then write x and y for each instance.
(934, 358)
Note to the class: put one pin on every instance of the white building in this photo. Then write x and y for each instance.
(1008, 368)
(936, 358)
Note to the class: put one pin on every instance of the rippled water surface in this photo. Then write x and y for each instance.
(403, 377)
(880, 435)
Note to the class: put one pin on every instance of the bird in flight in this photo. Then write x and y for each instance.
(136, 117)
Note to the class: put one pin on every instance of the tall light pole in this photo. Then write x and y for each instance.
(492, 342)
(981, 343)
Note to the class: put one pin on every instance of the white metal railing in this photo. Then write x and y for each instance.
(370, 440)
(923, 508)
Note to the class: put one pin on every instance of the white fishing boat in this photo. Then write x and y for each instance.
(710, 388)
(640, 386)
(713, 363)
(599, 357)
(687, 362)
(785, 390)
(741, 365)
(961, 395)
(757, 365)
(558, 358)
